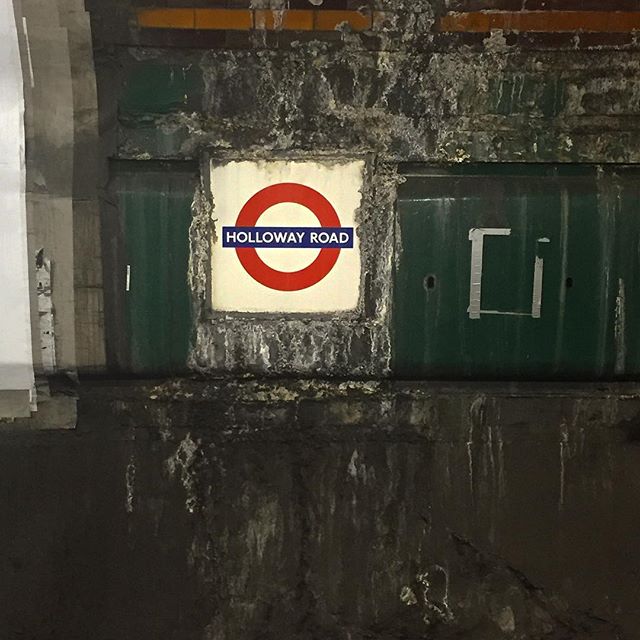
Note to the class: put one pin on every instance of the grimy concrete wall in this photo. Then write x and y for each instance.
(61, 187)
(309, 509)
(400, 92)
(63, 215)
(345, 505)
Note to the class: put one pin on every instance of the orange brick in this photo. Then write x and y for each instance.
(326, 20)
(166, 18)
(224, 19)
(623, 21)
(542, 21)
(287, 20)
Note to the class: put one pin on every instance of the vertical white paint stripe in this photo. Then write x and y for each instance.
(562, 289)
(26, 38)
(620, 329)
(16, 364)
(536, 302)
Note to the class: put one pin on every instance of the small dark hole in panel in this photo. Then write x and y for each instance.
(568, 283)
(430, 282)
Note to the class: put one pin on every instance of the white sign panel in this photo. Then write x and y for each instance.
(286, 236)
(16, 368)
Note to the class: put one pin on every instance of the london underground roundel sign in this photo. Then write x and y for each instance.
(285, 236)
(249, 236)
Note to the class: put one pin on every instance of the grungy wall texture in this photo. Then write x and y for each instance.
(333, 503)
(301, 509)
(402, 93)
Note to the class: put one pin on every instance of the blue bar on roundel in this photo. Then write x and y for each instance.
(288, 237)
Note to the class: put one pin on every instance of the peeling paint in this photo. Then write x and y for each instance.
(262, 528)
(475, 418)
(564, 454)
(436, 602)
(45, 313)
(181, 463)
(130, 480)
(408, 597)
(620, 329)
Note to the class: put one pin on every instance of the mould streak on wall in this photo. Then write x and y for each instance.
(182, 463)
(130, 481)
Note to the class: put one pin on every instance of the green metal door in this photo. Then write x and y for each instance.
(518, 271)
(155, 209)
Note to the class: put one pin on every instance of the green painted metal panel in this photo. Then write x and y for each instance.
(154, 88)
(577, 226)
(156, 212)
(152, 92)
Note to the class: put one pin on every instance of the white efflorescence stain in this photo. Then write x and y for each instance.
(286, 237)
(620, 329)
(130, 478)
(45, 313)
(16, 365)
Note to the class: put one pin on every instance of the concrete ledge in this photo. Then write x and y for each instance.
(55, 411)
(14, 404)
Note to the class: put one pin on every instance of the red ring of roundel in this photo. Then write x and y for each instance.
(257, 205)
